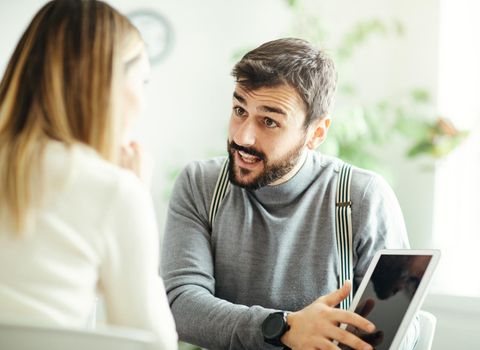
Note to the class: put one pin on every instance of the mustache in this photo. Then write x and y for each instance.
(249, 150)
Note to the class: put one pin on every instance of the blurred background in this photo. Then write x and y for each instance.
(408, 107)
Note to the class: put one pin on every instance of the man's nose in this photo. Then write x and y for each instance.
(245, 134)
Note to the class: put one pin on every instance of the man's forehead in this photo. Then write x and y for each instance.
(280, 93)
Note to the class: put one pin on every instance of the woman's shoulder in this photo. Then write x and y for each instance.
(78, 176)
(88, 170)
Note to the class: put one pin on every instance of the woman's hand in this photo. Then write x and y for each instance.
(134, 158)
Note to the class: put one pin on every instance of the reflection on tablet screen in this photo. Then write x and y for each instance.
(387, 296)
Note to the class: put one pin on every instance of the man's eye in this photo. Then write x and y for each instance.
(239, 111)
(270, 123)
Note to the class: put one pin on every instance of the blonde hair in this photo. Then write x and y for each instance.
(60, 84)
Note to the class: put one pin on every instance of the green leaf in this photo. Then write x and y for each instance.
(293, 3)
(420, 148)
(420, 95)
(361, 32)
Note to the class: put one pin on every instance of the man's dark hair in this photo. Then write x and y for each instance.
(294, 62)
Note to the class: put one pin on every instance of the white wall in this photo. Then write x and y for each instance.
(190, 92)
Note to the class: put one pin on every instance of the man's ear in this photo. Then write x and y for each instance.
(318, 132)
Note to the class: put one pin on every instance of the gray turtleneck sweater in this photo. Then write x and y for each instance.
(270, 249)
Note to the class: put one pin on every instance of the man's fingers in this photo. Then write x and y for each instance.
(375, 338)
(326, 344)
(353, 319)
(334, 298)
(345, 337)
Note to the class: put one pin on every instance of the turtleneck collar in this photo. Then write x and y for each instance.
(287, 192)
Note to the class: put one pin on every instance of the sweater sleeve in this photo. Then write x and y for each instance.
(134, 292)
(188, 270)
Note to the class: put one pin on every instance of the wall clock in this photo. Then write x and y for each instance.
(156, 31)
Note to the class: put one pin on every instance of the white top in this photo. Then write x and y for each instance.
(95, 232)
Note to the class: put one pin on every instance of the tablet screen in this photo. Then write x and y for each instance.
(388, 294)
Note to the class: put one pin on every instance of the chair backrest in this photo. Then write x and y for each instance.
(427, 323)
(28, 337)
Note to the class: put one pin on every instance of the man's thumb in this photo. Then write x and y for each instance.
(334, 298)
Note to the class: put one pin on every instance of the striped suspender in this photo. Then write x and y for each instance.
(343, 227)
(343, 224)
(221, 188)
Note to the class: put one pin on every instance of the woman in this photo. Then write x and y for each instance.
(71, 221)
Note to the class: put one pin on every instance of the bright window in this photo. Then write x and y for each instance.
(457, 188)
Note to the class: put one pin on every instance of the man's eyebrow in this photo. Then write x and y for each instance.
(239, 98)
(270, 109)
(267, 109)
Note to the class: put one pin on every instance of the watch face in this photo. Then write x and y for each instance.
(156, 32)
(274, 326)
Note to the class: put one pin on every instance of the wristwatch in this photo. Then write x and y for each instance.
(274, 327)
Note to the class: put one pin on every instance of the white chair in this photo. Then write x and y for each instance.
(28, 337)
(427, 323)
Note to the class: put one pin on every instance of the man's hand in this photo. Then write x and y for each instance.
(316, 327)
(364, 309)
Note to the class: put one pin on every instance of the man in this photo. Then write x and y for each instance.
(271, 246)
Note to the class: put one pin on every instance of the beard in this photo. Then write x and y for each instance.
(273, 170)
